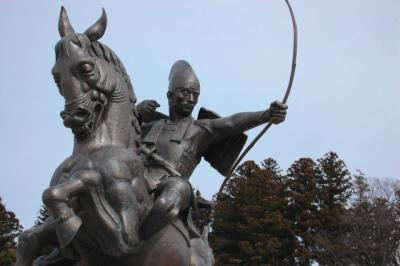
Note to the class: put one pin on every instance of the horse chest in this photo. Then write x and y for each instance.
(113, 165)
(69, 167)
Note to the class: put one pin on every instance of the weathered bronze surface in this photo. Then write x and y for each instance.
(123, 196)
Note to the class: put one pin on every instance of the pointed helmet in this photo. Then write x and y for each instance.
(182, 75)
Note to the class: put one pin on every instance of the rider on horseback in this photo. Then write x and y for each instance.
(183, 141)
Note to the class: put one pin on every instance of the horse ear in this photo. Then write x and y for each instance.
(96, 31)
(64, 26)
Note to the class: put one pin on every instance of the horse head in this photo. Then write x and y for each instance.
(88, 75)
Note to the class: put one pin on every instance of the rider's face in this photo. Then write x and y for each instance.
(183, 99)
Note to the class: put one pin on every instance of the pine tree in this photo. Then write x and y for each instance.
(266, 218)
(248, 223)
(360, 221)
(302, 211)
(334, 191)
(43, 215)
(318, 193)
(9, 230)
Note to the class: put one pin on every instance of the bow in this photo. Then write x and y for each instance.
(285, 98)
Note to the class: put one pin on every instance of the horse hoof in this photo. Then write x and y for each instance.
(67, 230)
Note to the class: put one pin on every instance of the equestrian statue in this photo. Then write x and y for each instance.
(123, 197)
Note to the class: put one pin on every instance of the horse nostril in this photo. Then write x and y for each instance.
(81, 113)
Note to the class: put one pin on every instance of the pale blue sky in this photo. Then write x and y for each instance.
(345, 94)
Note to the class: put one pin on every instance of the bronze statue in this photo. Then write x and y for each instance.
(123, 196)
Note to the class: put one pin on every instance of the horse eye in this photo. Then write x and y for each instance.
(86, 68)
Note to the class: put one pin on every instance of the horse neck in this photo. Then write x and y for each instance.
(115, 129)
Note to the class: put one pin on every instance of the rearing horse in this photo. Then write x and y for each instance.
(98, 197)
(100, 110)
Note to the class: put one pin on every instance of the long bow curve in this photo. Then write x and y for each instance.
(285, 98)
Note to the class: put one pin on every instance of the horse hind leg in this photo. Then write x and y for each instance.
(28, 248)
(32, 241)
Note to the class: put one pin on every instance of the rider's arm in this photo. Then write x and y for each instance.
(240, 122)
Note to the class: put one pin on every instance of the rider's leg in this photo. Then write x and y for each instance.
(32, 241)
(172, 196)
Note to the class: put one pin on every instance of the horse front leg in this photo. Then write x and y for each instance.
(57, 200)
(82, 184)
(31, 242)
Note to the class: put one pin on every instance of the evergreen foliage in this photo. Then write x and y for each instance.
(334, 191)
(302, 210)
(249, 227)
(43, 215)
(265, 217)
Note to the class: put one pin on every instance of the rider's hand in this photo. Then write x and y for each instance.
(276, 113)
(147, 107)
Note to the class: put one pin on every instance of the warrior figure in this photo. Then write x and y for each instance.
(183, 141)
